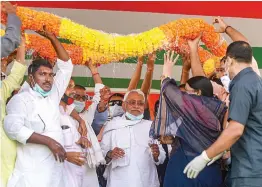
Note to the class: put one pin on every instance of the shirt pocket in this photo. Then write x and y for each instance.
(35, 123)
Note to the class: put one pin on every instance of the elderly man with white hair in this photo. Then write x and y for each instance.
(131, 156)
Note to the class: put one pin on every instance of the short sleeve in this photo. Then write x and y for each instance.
(240, 104)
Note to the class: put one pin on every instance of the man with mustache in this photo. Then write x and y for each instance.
(125, 144)
(33, 120)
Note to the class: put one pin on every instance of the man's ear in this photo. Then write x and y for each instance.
(124, 106)
(31, 80)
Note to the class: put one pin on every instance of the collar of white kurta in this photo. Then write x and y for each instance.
(120, 122)
(27, 88)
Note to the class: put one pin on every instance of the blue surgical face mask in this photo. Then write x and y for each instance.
(79, 106)
(134, 118)
(38, 89)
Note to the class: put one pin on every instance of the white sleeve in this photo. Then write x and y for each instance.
(61, 80)
(69, 109)
(90, 113)
(14, 123)
(96, 97)
(106, 143)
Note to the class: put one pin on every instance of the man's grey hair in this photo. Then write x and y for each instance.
(136, 91)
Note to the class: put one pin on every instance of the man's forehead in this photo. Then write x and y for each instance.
(135, 96)
(44, 69)
(80, 91)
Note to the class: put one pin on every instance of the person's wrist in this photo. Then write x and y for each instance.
(109, 154)
(226, 28)
(94, 73)
(205, 157)
(150, 69)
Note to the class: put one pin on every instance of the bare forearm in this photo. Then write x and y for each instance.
(228, 137)
(196, 67)
(20, 56)
(38, 139)
(146, 85)
(135, 78)
(235, 35)
(76, 116)
(184, 76)
(60, 50)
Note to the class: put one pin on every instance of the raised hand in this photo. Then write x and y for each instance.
(92, 67)
(47, 34)
(151, 61)
(169, 62)
(8, 8)
(222, 25)
(193, 44)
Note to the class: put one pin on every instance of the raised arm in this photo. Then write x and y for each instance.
(60, 51)
(15, 78)
(196, 66)
(146, 85)
(185, 69)
(137, 74)
(94, 71)
(64, 64)
(11, 40)
(235, 35)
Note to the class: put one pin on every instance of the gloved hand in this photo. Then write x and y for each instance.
(216, 158)
(194, 167)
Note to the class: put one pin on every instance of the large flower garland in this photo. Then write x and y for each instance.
(103, 47)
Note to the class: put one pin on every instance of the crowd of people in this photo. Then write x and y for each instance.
(206, 132)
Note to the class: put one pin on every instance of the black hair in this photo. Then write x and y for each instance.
(80, 87)
(218, 81)
(117, 95)
(201, 83)
(36, 64)
(182, 85)
(241, 51)
(156, 107)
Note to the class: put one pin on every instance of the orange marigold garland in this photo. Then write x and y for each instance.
(104, 47)
(42, 47)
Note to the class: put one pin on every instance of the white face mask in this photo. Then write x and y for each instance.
(116, 111)
(225, 81)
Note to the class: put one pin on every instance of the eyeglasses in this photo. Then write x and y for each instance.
(134, 103)
(115, 102)
(81, 98)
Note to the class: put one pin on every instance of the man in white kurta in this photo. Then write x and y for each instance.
(125, 144)
(85, 175)
(30, 115)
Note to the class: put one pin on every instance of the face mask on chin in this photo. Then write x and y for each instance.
(79, 106)
(134, 118)
(226, 82)
(116, 110)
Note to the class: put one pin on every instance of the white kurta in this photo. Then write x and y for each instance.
(29, 112)
(80, 176)
(137, 168)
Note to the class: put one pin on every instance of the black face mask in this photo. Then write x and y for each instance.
(67, 100)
